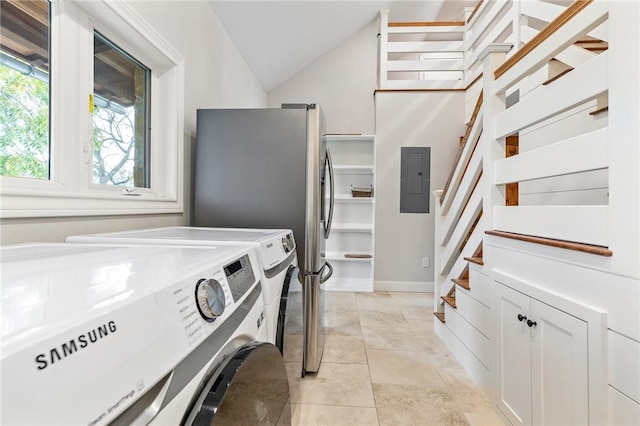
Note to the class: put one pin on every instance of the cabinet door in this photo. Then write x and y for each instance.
(513, 360)
(559, 367)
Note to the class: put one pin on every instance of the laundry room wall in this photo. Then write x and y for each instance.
(411, 119)
(342, 81)
(216, 75)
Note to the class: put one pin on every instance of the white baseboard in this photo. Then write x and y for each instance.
(409, 286)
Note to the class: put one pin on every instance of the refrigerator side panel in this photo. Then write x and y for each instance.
(314, 256)
(250, 170)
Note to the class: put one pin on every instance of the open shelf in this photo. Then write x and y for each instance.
(352, 231)
(352, 137)
(352, 227)
(352, 169)
(340, 257)
(348, 198)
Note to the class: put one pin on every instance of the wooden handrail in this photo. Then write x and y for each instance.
(544, 34)
(416, 90)
(474, 116)
(475, 9)
(428, 24)
(462, 89)
(569, 245)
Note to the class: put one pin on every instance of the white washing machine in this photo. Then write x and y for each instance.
(121, 334)
(276, 250)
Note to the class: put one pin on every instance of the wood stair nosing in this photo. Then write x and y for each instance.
(475, 259)
(440, 316)
(451, 301)
(599, 110)
(462, 282)
(557, 76)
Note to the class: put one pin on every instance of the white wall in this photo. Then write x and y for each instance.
(342, 82)
(433, 119)
(216, 75)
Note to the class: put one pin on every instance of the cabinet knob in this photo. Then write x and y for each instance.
(521, 318)
(531, 323)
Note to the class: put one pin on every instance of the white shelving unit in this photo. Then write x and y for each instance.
(352, 232)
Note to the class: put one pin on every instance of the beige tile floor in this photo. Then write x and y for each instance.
(383, 365)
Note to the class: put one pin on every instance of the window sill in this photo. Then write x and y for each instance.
(51, 199)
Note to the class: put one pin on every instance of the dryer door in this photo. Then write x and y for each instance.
(250, 386)
(289, 311)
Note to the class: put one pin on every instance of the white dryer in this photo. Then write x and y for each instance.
(276, 250)
(120, 334)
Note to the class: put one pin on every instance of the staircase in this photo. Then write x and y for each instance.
(545, 181)
(461, 225)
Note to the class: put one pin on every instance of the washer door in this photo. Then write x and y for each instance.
(249, 387)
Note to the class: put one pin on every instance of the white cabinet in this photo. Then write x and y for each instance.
(351, 242)
(542, 362)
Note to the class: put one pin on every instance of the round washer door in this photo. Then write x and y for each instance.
(290, 298)
(249, 387)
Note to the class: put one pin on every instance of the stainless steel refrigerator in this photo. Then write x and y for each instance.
(269, 168)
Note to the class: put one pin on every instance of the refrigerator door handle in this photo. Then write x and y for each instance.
(324, 278)
(327, 229)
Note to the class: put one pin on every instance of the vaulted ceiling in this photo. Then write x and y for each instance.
(279, 38)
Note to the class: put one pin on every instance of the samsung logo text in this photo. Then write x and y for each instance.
(66, 349)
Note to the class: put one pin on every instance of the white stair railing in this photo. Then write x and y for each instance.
(445, 55)
(586, 224)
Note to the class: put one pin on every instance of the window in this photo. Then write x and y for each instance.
(107, 79)
(24, 89)
(120, 116)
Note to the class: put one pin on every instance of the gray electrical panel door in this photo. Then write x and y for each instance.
(414, 182)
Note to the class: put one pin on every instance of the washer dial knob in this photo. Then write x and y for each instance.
(210, 299)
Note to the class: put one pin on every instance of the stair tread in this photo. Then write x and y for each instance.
(554, 78)
(440, 316)
(462, 282)
(476, 260)
(451, 301)
(599, 110)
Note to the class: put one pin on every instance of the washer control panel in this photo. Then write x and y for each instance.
(240, 276)
(287, 243)
(276, 250)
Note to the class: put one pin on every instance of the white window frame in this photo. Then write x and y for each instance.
(70, 191)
